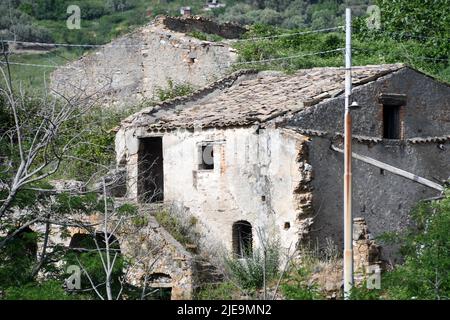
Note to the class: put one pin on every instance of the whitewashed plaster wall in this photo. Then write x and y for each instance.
(255, 177)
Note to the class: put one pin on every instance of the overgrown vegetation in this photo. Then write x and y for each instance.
(297, 286)
(182, 231)
(290, 14)
(404, 37)
(93, 153)
(205, 36)
(298, 47)
(173, 90)
(21, 264)
(218, 291)
(306, 277)
(257, 269)
(425, 272)
(87, 255)
(47, 290)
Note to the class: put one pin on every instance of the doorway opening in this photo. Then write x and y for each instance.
(242, 239)
(150, 170)
(391, 122)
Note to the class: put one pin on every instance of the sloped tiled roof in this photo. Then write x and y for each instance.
(249, 98)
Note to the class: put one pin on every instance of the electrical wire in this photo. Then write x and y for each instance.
(111, 45)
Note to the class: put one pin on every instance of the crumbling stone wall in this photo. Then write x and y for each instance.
(142, 240)
(131, 68)
(205, 25)
(260, 175)
(366, 252)
(157, 252)
(303, 192)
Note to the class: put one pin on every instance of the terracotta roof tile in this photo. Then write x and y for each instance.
(257, 97)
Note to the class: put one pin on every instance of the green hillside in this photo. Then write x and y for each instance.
(413, 32)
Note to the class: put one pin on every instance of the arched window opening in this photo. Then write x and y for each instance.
(159, 287)
(242, 239)
(81, 242)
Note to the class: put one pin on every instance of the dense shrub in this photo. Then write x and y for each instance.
(174, 90)
(93, 153)
(19, 25)
(292, 14)
(182, 231)
(251, 272)
(47, 290)
(425, 274)
(297, 286)
(218, 291)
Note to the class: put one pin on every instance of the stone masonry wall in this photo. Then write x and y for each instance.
(382, 198)
(131, 68)
(142, 240)
(260, 176)
(202, 24)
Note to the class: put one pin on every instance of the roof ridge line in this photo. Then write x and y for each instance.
(196, 95)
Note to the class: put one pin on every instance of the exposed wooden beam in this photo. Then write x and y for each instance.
(394, 170)
(392, 99)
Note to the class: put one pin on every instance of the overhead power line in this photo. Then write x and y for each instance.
(86, 45)
(288, 57)
(36, 65)
(231, 64)
(283, 35)
(411, 36)
(409, 56)
(111, 44)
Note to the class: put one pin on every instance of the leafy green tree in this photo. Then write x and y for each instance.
(414, 32)
(89, 251)
(18, 259)
(425, 273)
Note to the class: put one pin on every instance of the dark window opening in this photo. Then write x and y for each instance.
(23, 245)
(85, 242)
(81, 242)
(150, 170)
(19, 254)
(113, 242)
(391, 122)
(242, 239)
(206, 157)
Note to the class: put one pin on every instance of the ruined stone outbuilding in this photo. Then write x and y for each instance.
(131, 68)
(254, 151)
(156, 261)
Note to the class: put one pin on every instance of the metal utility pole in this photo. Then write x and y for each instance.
(348, 220)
